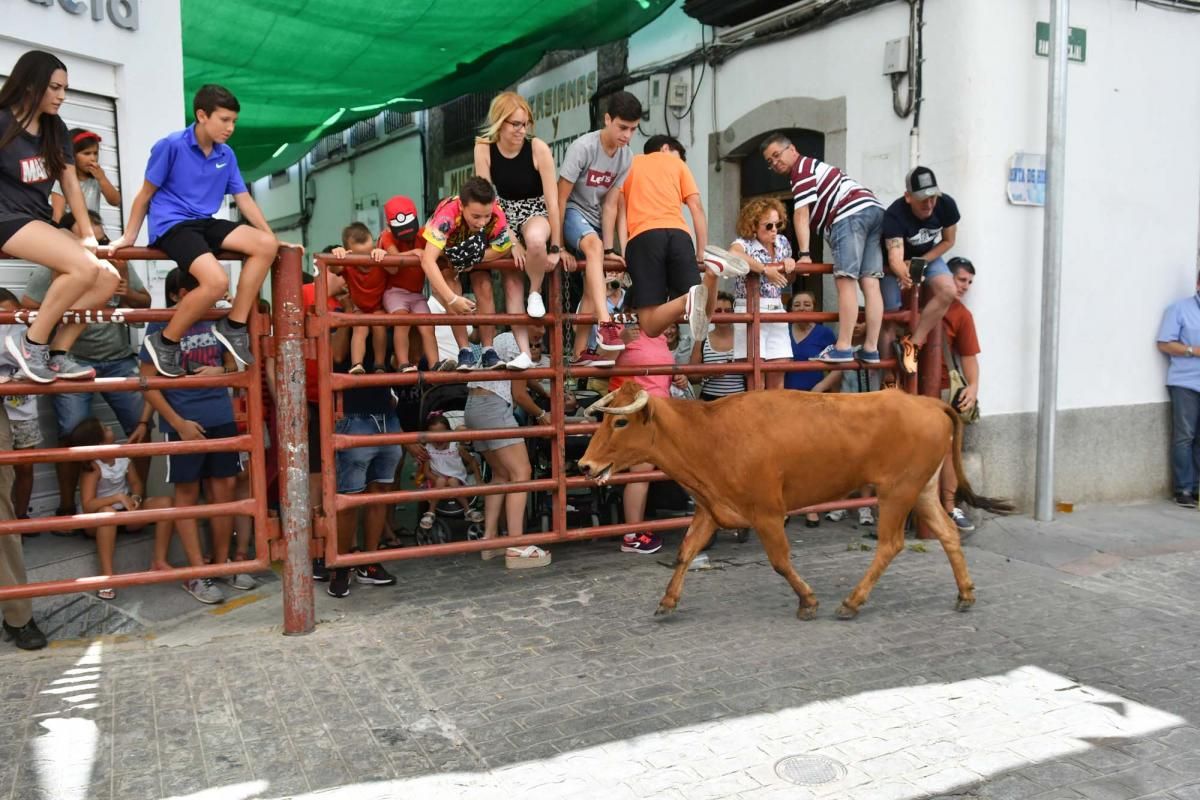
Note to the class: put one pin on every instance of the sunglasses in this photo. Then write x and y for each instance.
(773, 226)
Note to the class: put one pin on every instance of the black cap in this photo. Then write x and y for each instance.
(921, 183)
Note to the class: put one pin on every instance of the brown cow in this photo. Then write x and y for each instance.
(782, 450)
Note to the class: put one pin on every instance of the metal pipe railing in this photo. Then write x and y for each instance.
(253, 442)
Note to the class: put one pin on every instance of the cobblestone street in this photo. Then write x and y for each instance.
(1075, 676)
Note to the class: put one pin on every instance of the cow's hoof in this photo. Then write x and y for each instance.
(806, 613)
(964, 604)
(846, 612)
(664, 610)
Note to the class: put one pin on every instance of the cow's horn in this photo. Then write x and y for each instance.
(638, 403)
(599, 404)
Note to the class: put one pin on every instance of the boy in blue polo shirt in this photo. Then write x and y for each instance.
(187, 178)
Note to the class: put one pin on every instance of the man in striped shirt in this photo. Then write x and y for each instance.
(851, 220)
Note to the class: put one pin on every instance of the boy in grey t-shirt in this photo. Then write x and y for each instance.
(595, 164)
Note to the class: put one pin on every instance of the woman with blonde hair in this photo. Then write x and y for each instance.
(762, 243)
(521, 167)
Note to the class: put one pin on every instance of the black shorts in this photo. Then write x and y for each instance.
(9, 228)
(662, 264)
(187, 241)
(192, 467)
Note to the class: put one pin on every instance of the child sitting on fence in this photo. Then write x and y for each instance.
(367, 285)
(406, 286)
(107, 485)
(447, 467)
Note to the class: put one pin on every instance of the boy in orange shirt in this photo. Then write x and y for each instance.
(660, 256)
(367, 285)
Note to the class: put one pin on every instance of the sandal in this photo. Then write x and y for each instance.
(488, 555)
(107, 594)
(474, 516)
(426, 522)
(526, 557)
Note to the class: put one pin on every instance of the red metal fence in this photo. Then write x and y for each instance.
(302, 532)
(251, 442)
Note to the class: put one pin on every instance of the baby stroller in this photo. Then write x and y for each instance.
(440, 521)
(589, 505)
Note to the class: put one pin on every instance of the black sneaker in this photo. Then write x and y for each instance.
(1185, 500)
(27, 637)
(167, 358)
(236, 341)
(339, 585)
(374, 574)
(320, 573)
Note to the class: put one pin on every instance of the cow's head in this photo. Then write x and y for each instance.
(625, 438)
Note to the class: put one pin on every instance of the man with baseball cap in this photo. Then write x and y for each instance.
(921, 224)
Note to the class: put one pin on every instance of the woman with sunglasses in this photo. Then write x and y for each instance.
(521, 167)
(762, 243)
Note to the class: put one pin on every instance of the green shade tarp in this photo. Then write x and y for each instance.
(302, 69)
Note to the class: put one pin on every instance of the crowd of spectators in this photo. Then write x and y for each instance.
(603, 205)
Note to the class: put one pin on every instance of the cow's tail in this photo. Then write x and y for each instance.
(965, 494)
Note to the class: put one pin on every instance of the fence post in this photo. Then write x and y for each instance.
(295, 514)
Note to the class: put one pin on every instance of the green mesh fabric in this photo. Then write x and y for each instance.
(306, 68)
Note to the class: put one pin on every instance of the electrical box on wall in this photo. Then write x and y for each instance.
(371, 216)
(677, 92)
(895, 56)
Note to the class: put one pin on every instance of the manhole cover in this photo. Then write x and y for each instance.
(809, 770)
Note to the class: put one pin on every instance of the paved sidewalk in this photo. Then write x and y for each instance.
(1075, 676)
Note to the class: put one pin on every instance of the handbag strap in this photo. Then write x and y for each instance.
(948, 356)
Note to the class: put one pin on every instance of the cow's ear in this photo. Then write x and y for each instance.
(647, 412)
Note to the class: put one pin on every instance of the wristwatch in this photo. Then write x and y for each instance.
(803, 253)
(608, 251)
(552, 249)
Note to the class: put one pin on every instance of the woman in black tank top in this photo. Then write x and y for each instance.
(36, 151)
(521, 167)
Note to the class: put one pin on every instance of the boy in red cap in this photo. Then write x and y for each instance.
(406, 285)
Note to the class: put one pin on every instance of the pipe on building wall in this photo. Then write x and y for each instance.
(1052, 246)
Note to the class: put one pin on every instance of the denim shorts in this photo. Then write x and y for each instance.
(857, 252)
(72, 409)
(891, 287)
(575, 227)
(372, 464)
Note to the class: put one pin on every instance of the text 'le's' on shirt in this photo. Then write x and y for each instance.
(25, 180)
(594, 173)
(191, 185)
(832, 194)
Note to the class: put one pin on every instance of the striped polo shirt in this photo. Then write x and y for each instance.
(831, 193)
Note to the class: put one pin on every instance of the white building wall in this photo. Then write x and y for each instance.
(349, 190)
(1131, 232)
(142, 69)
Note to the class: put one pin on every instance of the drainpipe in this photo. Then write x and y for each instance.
(1056, 147)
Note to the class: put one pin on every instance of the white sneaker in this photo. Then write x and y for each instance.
(723, 264)
(242, 581)
(204, 590)
(865, 517)
(837, 515)
(534, 306)
(697, 313)
(521, 362)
